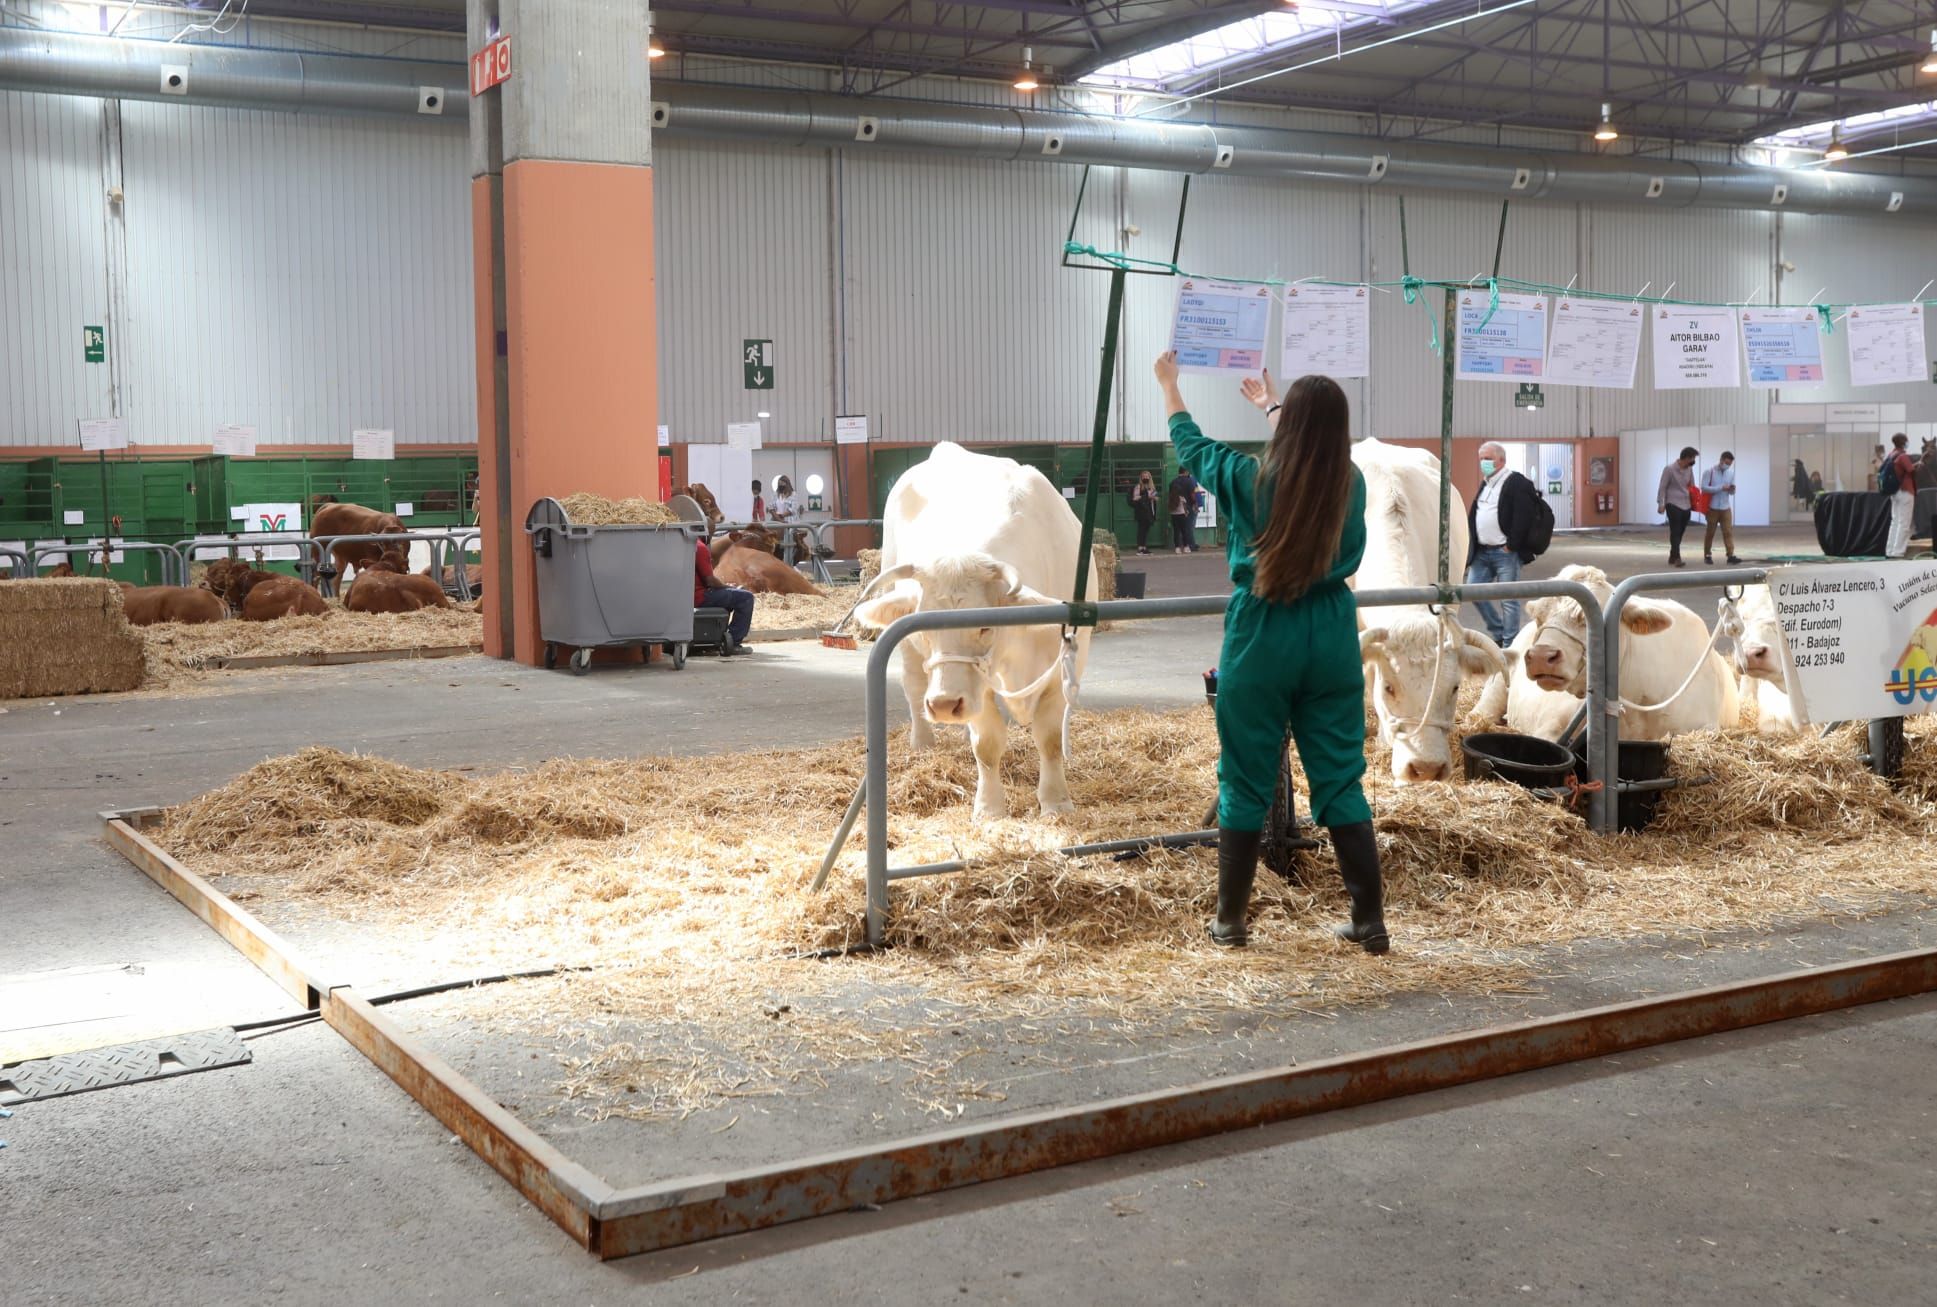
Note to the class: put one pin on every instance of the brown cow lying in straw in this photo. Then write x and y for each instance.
(146, 605)
(752, 568)
(282, 596)
(230, 580)
(377, 589)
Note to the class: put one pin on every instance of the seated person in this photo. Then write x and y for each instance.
(711, 592)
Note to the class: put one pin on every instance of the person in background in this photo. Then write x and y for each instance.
(1927, 466)
(1498, 523)
(1815, 487)
(1297, 531)
(1899, 470)
(1671, 499)
(785, 509)
(711, 592)
(1799, 486)
(1143, 503)
(1183, 512)
(1719, 482)
(759, 505)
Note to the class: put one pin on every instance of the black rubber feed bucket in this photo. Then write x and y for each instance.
(1641, 760)
(1520, 759)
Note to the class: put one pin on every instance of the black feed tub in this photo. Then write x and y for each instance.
(1524, 760)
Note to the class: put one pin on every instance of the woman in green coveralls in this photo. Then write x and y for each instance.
(1291, 644)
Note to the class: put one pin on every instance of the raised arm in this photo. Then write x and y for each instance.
(1217, 467)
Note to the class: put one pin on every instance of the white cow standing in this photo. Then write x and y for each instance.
(1661, 644)
(1758, 657)
(965, 530)
(1416, 661)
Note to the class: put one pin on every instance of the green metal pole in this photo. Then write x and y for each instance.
(1446, 356)
(1097, 434)
(107, 514)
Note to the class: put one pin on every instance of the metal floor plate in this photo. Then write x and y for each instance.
(122, 1064)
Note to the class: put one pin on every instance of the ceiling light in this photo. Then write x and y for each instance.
(1836, 149)
(1930, 60)
(1606, 132)
(654, 50)
(763, 414)
(1026, 79)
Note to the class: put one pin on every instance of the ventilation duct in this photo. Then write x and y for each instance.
(72, 64)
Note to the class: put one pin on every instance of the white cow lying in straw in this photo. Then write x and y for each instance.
(1526, 708)
(964, 530)
(1663, 645)
(1758, 657)
(1416, 662)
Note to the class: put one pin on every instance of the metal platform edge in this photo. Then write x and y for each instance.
(611, 1222)
(338, 658)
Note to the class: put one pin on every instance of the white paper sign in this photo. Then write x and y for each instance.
(1784, 347)
(1594, 343)
(851, 430)
(235, 442)
(405, 509)
(743, 435)
(1886, 344)
(263, 524)
(103, 433)
(1327, 330)
(665, 437)
(1843, 414)
(1510, 345)
(373, 444)
(1220, 326)
(72, 517)
(1862, 638)
(1695, 346)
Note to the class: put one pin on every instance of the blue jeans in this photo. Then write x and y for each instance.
(1497, 563)
(739, 606)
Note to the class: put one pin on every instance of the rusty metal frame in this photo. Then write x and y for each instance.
(612, 1222)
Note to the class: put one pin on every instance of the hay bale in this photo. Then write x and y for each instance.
(1103, 568)
(870, 564)
(586, 509)
(65, 636)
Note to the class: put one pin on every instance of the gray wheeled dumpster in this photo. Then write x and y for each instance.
(605, 587)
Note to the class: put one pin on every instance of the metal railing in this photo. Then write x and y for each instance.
(189, 550)
(22, 565)
(313, 552)
(874, 790)
(172, 570)
(823, 551)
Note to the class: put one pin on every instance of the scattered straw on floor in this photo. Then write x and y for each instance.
(178, 654)
(813, 613)
(687, 886)
(585, 509)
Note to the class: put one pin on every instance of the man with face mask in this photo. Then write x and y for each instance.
(1719, 482)
(1499, 522)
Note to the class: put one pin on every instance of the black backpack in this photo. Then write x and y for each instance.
(1541, 534)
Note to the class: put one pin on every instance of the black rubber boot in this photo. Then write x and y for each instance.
(1237, 868)
(1358, 866)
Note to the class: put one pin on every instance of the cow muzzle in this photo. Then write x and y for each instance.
(946, 709)
(1759, 660)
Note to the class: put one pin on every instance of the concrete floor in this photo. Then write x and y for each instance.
(1790, 1164)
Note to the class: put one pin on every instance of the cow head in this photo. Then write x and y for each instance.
(1417, 664)
(1758, 648)
(1557, 658)
(699, 494)
(956, 661)
(755, 538)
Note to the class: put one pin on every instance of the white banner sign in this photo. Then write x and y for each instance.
(1886, 344)
(1784, 347)
(1220, 326)
(851, 430)
(1695, 346)
(1502, 342)
(665, 437)
(743, 435)
(1862, 638)
(235, 442)
(371, 443)
(261, 525)
(1327, 330)
(1594, 343)
(103, 433)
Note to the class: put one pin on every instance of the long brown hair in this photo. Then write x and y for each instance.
(1305, 481)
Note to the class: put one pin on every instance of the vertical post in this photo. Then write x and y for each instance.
(107, 514)
(1500, 244)
(1100, 429)
(874, 700)
(1447, 354)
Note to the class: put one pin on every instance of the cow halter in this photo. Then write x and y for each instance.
(985, 664)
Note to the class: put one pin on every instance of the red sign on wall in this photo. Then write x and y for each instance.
(491, 65)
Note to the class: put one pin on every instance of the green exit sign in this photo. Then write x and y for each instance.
(1529, 396)
(756, 364)
(94, 344)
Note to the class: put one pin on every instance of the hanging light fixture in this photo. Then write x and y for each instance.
(1929, 64)
(1836, 149)
(1606, 132)
(1026, 79)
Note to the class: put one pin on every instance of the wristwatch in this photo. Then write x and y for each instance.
(1273, 409)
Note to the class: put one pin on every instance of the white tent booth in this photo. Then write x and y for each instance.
(1835, 443)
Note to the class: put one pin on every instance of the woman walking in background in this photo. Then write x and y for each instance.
(1183, 511)
(1143, 502)
(1291, 642)
(1671, 499)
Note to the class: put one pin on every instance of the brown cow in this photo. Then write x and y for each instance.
(762, 573)
(282, 596)
(756, 537)
(708, 505)
(384, 591)
(148, 604)
(62, 568)
(231, 579)
(354, 519)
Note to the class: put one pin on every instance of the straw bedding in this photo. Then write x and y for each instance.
(178, 654)
(585, 509)
(65, 635)
(685, 883)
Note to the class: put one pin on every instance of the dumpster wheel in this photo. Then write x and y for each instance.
(551, 656)
(581, 661)
(676, 652)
